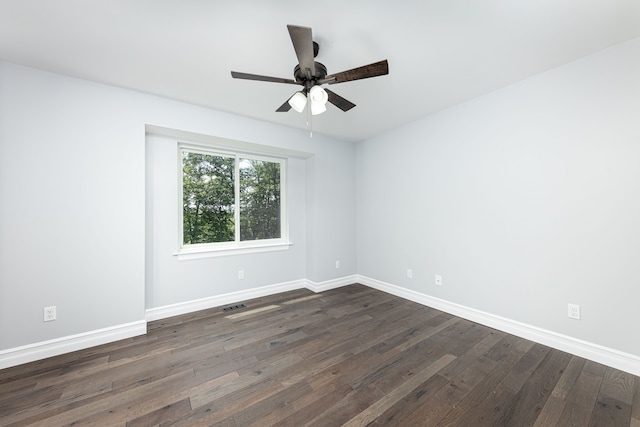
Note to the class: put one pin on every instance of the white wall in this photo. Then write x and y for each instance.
(524, 200)
(72, 211)
(331, 232)
(72, 207)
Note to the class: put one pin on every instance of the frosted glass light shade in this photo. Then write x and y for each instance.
(318, 95)
(319, 98)
(317, 108)
(298, 101)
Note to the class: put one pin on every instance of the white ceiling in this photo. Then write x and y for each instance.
(440, 52)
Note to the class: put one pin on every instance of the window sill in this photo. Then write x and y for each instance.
(199, 253)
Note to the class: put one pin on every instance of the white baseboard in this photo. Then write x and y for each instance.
(597, 353)
(331, 284)
(223, 299)
(42, 350)
(233, 297)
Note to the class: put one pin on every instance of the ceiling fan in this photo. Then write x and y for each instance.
(311, 75)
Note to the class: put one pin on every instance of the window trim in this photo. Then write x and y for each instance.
(237, 247)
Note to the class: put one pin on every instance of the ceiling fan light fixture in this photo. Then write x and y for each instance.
(311, 75)
(298, 101)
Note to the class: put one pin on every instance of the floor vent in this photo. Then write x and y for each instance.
(234, 307)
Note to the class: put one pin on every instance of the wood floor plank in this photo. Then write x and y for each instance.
(399, 321)
(581, 399)
(442, 401)
(613, 406)
(575, 415)
(164, 415)
(425, 334)
(348, 369)
(75, 411)
(76, 371)
(259, 413)
(400, 365)
(356, 337)
(22, 404)
(608, 412)
(313, 405)
(474, 355)
(152, 400)
(491, 410)
(397, 413)
(351, 355)
(231, 402)
(346, 408)
(536, 390)
(618, 385)
(465, 413)
(251, 375)
(373, 411)
(316, 366)
(569, 378)
(300, 401)
(635, 408)
(44, 366)
(550, 413)
(525, 367)
(552, 410)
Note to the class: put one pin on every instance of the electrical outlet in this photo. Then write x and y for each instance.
(438, 280)
(410, 273)
(49, 313)
(337, 264)
(573, 311)
(240, 274)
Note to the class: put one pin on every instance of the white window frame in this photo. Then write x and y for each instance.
(237, 247)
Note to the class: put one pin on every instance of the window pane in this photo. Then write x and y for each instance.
(208, 198)
(259, 200)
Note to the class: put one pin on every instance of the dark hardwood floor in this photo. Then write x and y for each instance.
(350, 356)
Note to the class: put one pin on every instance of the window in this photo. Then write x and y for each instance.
(231, 200)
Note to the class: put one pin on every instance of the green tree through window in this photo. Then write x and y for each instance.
(208, 199)
(226, 198)
(259, 200)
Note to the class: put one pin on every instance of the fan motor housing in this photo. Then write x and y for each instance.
(301, 76)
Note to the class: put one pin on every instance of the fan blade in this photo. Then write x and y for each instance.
(285, 107)
(372, 70)
(246, 76)
(338, 101)
(303, 45)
